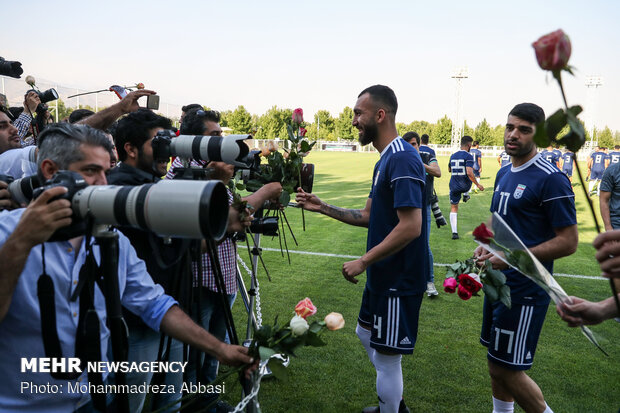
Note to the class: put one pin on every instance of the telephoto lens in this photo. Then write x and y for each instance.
(22, 189)
(439, 218)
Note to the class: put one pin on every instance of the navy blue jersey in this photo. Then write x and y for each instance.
(598, 161)
(398, 182)
(427, 149)
(550, 156)
(567, 162)
(476, 154)
(557, 154)
(614, 157)
(533, 199)
(504, 159)
(459, 162)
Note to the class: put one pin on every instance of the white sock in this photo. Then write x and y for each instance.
(389, 381)
(591, 185)
(500, 406)
(453, 221)
(364, 336)
(547, 409)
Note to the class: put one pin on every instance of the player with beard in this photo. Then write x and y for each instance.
(537, 201)
(396, 259)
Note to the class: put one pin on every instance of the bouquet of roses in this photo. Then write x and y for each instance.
(509, 248)
(466, 279)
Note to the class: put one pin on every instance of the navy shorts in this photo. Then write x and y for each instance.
(568, 172)
(477, 173)
(511, 334)
(393, 321)
(455, 196)
(596, 175)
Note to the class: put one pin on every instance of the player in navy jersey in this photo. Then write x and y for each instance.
(396, 256)
(614, 156)
(477, 155)
(503, 159)
(424, 146)
(597, 164)
(536, 200)
(461, 167)
(567, 161)
(551, 155)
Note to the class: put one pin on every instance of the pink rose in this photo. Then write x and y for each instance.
(305, 308)
(482, 234)
(449, 285)
(302, 131)
(464, 293)
(470, 282)
(553, 51)
(298, 116)
(334, 321)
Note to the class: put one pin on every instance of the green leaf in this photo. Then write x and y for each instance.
(278, 369)
(577, 135)
(456, 266)
(316, 326)
(490, 291)
(240, 186)
(253, 185)
(285, 198)
(291, 135)
(265, 352)
(263, 334)
(540, 137)
(312, 339)
(504, 296)
(305, 146)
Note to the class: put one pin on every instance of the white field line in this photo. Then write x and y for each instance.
(324, 254)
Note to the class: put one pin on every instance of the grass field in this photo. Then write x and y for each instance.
(447, 372)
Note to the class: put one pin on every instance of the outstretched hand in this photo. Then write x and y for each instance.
(309, 202)
(577, 312)
(130, 102)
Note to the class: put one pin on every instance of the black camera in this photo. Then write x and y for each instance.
(6, 178)
(201, 208)
(11, 69)
(439, 218)
(265, 225)
(45, 96)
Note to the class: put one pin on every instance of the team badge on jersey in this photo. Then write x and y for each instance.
(519, 191)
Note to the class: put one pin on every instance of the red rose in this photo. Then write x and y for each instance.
(302, 131)
(464, 293)
(553, 51)
(298, 116)
(469, 283)
(482, 234)
(305, 308)
(449, 285)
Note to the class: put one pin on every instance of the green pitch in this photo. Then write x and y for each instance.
(447, 372)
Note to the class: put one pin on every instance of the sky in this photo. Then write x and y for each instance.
(321, 54)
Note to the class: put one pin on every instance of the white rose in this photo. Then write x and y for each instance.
(30, 80)
(298, 325)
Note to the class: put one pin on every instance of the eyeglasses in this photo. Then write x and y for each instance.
(213, 113)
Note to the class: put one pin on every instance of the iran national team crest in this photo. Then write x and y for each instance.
(519, 191)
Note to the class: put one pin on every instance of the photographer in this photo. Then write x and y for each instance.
(22, 261)
(206, 308)
(432, 171)
(24, 120)
(9, 135)
(164, 258)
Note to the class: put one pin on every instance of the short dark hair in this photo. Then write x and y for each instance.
(134, 128)
(194, 121)
(383, 97)
(528, 112)
(476, 143)
(617, 147)
(409, 136)
(425, 139)
(191, 106)
(466, 139)
(79, 114)
(60, 142)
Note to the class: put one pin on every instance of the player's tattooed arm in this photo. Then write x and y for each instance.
(357, 217)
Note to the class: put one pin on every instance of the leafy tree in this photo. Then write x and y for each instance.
(498, 135)
(344, 127)
(442, 132)
(323, 126)
(605, 138)
(224, 118)
(483, 134)
(273, 123)
(467, 130)
(240, 120)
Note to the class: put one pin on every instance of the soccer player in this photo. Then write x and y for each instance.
(395, 261)
(503, 159)
(424, 146)
(614, 156)
(551, 156)
(567, 160)
(596, 166)
(537, 201)
(477, 155)
(461, 167)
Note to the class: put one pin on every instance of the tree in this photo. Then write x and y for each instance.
(240, 120)
(442, 132)
(323, 127)
(344, 126)
(273, 123)
(483, 134)
(605, 138)
(467, 130)
(224, 118)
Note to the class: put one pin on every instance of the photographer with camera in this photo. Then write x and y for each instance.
(24, 120)
(206, 308)
(26, 257)
(432, 171)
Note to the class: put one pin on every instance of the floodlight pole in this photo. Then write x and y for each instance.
(459, 74)
(592, 83)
